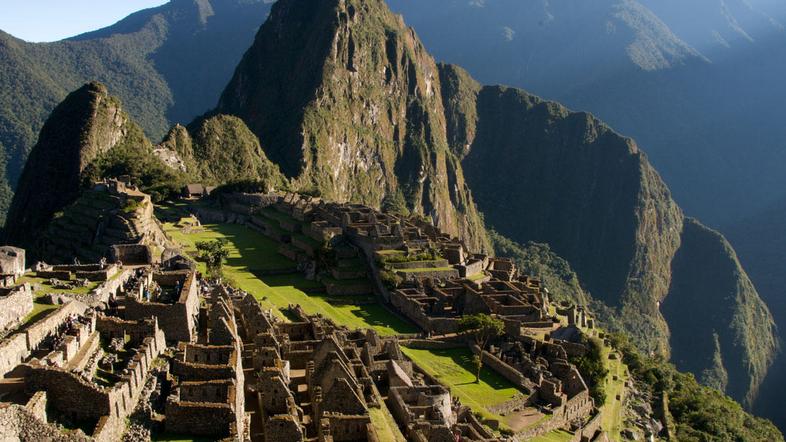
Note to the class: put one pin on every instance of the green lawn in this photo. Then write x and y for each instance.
(476, 276)
(251, 254)
(42, 288)
(40, 310)
(454, 369)
(384, 424)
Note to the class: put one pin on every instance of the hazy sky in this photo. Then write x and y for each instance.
(51, 20)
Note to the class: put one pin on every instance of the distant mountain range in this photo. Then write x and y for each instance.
(696, 83)
(168, 64)
(699, 85)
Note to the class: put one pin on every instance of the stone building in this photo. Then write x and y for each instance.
(109, 214)
(15, 304)
(94, 371)
(12, 265)
(437, 308)
(208, 393)
(172, 297)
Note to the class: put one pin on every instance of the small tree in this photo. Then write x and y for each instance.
(213, 253)
(484, 328)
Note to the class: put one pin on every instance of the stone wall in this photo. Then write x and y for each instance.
(349, 428)
(132, 254)
(413, 311)
(13, 351)
(199, 362)
(17, 347)
(177, 320)
(19, 424)
(199, 418)
(12, 262)
(37, 405)
(504, 370)
(434, 274)
(437, 263)
(46, 326)
(92, 272)
(71, 394)
(15, 306)
(106, 408)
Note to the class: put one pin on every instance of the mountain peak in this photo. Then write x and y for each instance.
(86, 124)
(347, 100)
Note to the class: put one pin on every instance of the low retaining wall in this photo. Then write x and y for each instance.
(434, 264)
(15, 306)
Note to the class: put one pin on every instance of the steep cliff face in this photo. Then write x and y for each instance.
(83, 127)
(720, 329)
(541, 173)
(357, 114)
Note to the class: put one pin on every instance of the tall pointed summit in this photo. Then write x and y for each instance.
(347, 100)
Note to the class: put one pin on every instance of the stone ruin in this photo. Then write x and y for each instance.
(12, 265)
(437, 307)
(58, 375)
(156, 347)
(172, 296)
(103, 222)
(440, 282)
(208, 389)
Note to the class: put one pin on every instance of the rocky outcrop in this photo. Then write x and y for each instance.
(542, 173)
(349, 103)
(221, 148)
(83, 127)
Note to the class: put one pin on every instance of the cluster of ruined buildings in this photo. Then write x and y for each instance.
(435, 292)
(154, 347)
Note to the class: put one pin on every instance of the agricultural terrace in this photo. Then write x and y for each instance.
(612, 410)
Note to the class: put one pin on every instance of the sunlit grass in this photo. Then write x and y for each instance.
(454, 369)
(253, 256)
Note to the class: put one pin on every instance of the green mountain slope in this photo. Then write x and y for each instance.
(715, 314)
(348, 102)
(167, 64)
(542, 173)
(90, 137)
(221, 148)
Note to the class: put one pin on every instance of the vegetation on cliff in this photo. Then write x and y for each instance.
(542, 173)
(134, 158)
(83, 128)
(539, 261)
(720, 329)
(698, 413)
